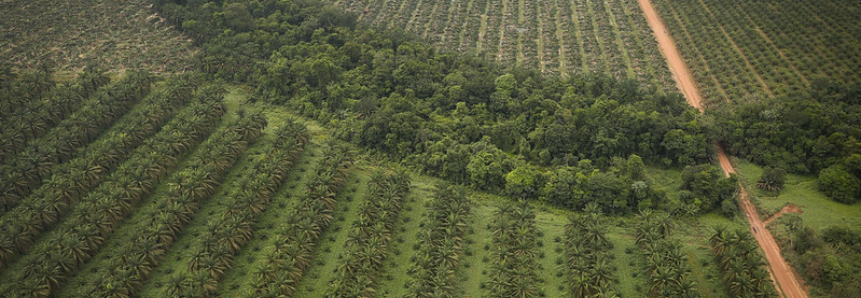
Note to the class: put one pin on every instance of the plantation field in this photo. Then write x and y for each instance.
(223, 203)
(69, 35)
(742, 49)
(553, 36)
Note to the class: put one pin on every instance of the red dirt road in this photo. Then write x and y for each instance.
(668, 47)
(786, 282)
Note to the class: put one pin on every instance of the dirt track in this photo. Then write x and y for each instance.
(787, 284)
(668, 47)
(790, 208)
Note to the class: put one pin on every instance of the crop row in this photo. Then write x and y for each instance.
(39, 115)
(367, 245)
(74, 179)
(226, 233)
(442, 244)
(92, 222)
(669, 273)
(178, 205)
(297, 239)
(16, 90)
(24, 172)
(610, 37)
(587, 251)
(513, 270)
(739, 260)
(764, 48)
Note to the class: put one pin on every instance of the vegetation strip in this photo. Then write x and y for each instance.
(369, 237)
(667, 266)
(24, 172)
(75, 179)
(95, 218)
(440, 247)
(39, 115)
(513, 270)
(587, 251)
(20, 89)
(296, 241)
(227, 233)
(739, 260)
(183, 200)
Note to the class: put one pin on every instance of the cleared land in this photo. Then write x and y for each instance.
(553, 36)
(742, 49)
(69, 35)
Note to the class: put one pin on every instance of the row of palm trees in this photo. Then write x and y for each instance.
(214, 251)
(37, 116)
(91, 223)
(75, 179)
(93, 220)
(25, 171)
(296, 241)
(367, 245)
(128, 271)
(16, 90)
(441, 244)
(739, 260)
(587, 251)
(668, 269)
(513, 272)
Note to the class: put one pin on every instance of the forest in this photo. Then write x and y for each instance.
(505, 130)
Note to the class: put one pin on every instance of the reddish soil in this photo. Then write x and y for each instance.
(787, 284)
(789, 208)
(668, 47)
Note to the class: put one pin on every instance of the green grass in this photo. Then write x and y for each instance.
(627, 262)
(473, 270)
(819, 210)
(552, 226)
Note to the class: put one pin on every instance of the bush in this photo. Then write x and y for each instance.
(772, 179)
(839, 184)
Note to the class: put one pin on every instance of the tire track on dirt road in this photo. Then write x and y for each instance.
(786, 283)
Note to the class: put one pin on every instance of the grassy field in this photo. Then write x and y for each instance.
(553, 36)
(819, 210)
(69, 35)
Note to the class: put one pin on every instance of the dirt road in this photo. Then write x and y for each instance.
(668, 47)
(787, 284)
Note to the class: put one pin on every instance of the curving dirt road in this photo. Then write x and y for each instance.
(786, 282)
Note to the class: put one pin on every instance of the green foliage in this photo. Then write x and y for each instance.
(801, 133)
(840, 185)
(452, 116)
(237, 17)
(522, 182)
(828, 259)
(772, 179)
(708, 186)
(741, 264)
